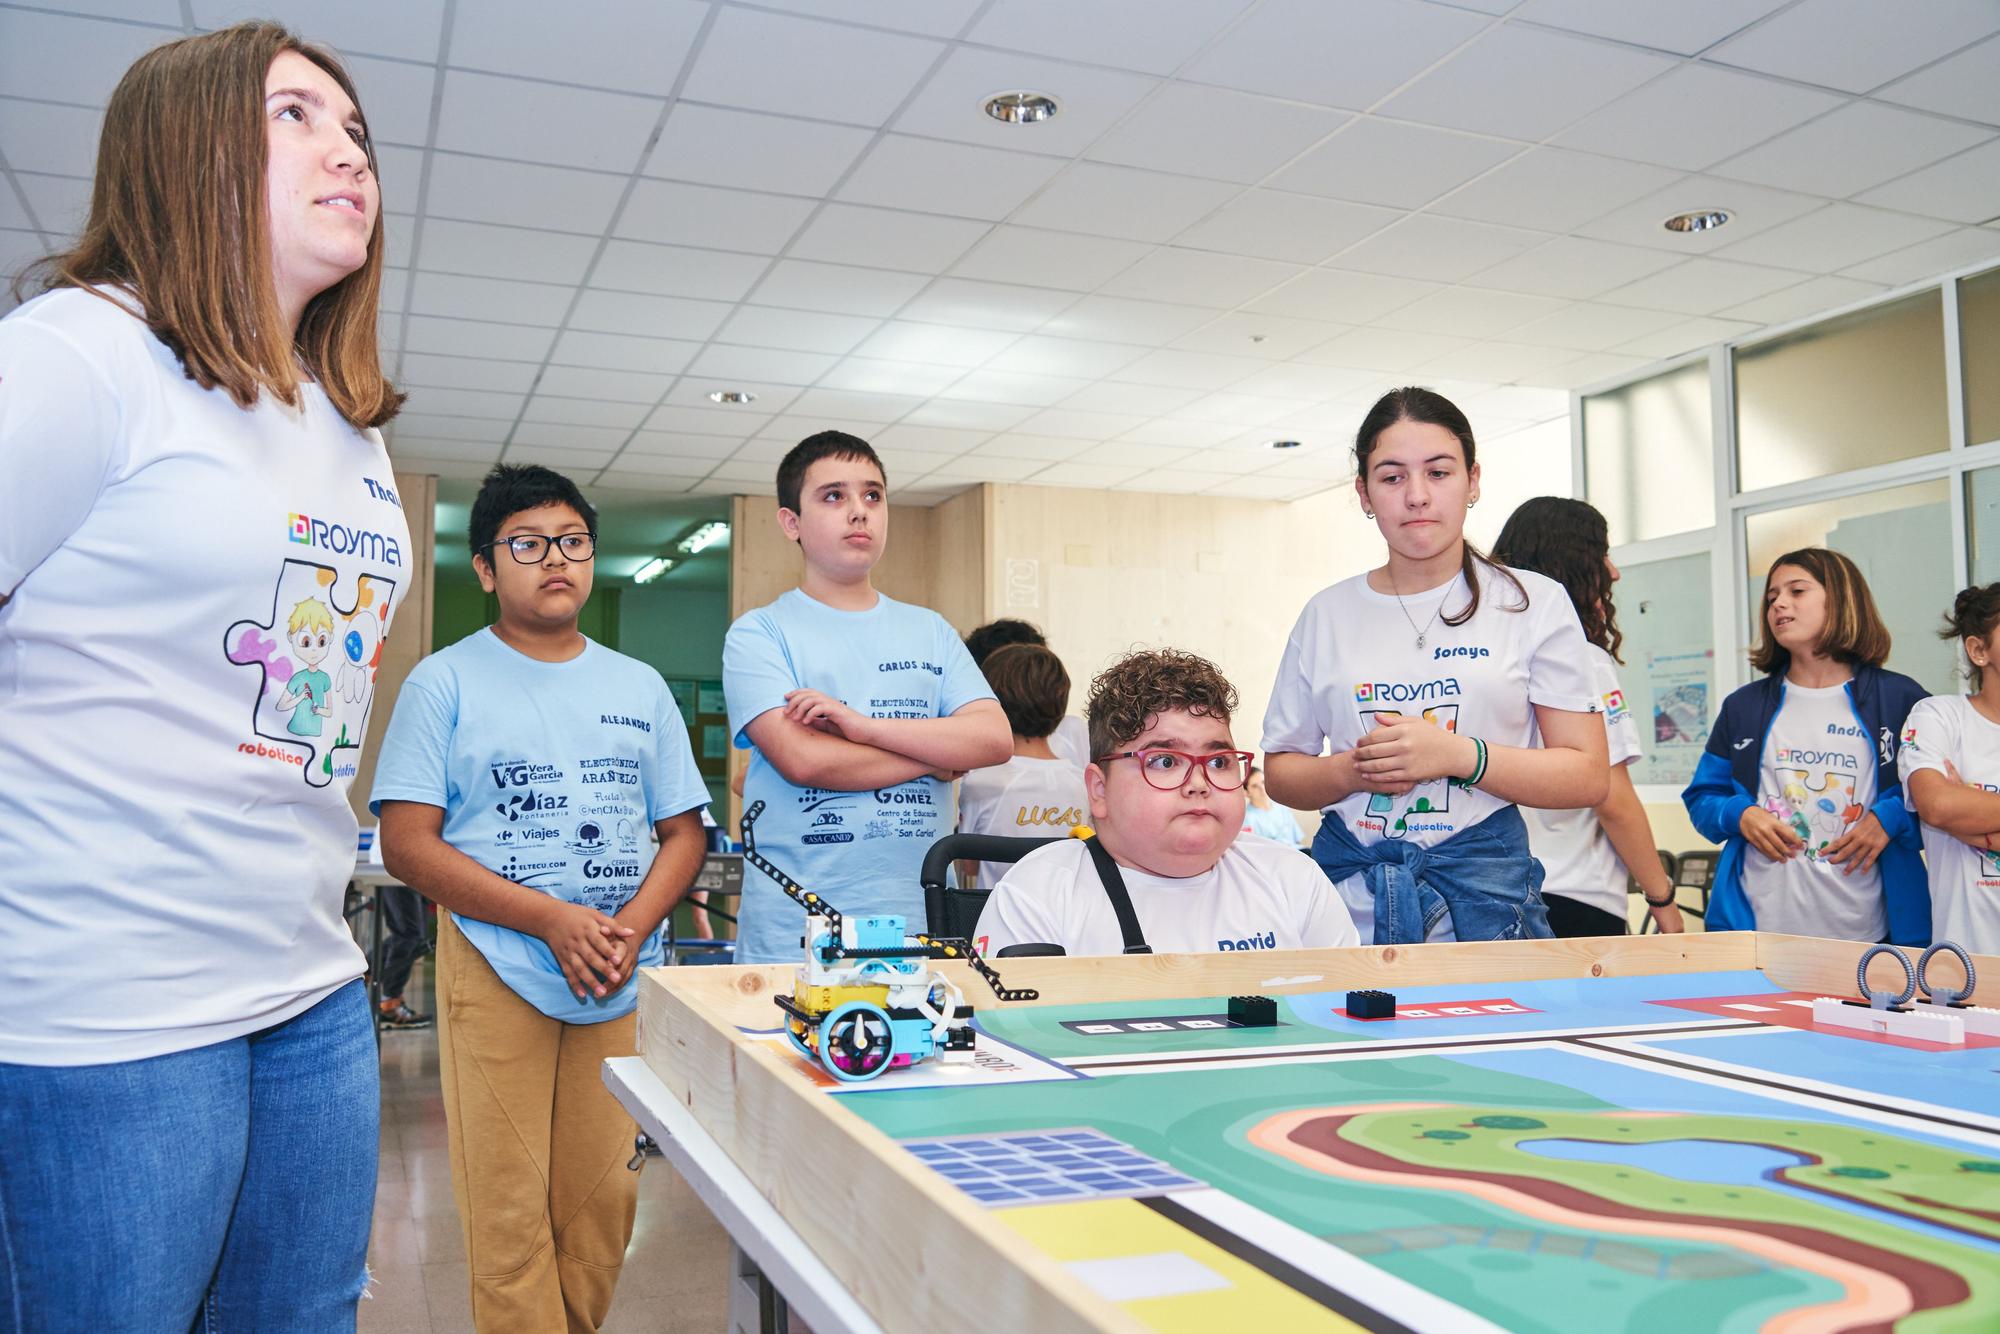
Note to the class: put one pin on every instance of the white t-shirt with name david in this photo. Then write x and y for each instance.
(1260, 896)
(1965, 881)
(1023, 798)
(1576, 854)
(1352, 656)
(1817, 774)
(198, 594)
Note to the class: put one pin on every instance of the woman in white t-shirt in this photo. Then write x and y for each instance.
(1037, 793)
(1416, 704)
(201, 548)
(1586, 854)
(1950, 764)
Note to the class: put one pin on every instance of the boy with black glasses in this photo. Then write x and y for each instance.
(1166, 872)
(516, 785)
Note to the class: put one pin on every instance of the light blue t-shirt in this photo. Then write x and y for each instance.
(862, 851)
(549, 774)
(1274, 822)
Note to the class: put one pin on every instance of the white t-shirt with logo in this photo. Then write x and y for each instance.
(1023, 798)
(1576, 854)
(1260, 896)
(187, 663)
(1965, 881)
(1817, 774)
(1353, 655)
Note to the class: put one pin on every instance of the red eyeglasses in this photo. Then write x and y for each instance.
(1225, 770)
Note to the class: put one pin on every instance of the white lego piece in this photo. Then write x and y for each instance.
(1944, 1028)
(1982, 1020)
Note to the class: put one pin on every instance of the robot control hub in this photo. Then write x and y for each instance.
(867, 997)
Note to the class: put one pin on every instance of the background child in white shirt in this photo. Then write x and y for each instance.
(1586, 853)
(1950, 765)
(1037, 793)
(1166, 799)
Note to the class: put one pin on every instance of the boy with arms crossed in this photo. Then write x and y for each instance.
(517, 779)
(1166, 798)
(858, 710)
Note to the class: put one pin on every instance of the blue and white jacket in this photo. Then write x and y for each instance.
(1725, 785)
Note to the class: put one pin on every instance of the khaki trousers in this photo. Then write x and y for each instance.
(538, 1149)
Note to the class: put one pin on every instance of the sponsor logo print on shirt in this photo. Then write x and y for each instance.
(523, 773)
(1614, 706)
(610, 769)
(1405, 692)
(532, 805)
(344, 540)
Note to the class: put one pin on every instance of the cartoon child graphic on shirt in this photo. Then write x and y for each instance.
(1817, 815)
(309, 693)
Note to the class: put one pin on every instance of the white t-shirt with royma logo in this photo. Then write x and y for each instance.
(1260, 896)
(1817, 774)
(1965, 881)
(1575, 852)
(1023, 798)
(187, 665)
(1353, 656)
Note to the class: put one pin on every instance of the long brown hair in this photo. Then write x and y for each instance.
(1430, 408)
(179, 218)
(1568, 541)
(1854, 632)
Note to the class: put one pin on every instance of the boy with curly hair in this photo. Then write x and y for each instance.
(1166, 872)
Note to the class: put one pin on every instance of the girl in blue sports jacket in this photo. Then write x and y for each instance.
(1799, 782)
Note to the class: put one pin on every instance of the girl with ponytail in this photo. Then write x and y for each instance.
(1950, 763)
(1587, 854)
(1418, 704)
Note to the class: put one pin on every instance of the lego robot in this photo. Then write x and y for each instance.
(867, 998)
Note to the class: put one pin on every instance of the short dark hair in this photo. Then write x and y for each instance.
(513, 487)
(1032, 686)
(1974, 613)
(989, 638)
(824, 445)
(1126, 696)
(1854, 632)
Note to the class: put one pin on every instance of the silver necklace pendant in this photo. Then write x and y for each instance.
(1420, 643)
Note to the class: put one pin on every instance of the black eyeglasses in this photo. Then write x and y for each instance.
(1167, 770)
(533, 548)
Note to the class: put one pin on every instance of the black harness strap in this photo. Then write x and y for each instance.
(1121, 900)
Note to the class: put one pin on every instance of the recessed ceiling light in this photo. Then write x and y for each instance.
(732, 396)
(1281, 444)
(1701, 220)
(1021, 108)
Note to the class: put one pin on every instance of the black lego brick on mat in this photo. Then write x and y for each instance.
(1371, 1005)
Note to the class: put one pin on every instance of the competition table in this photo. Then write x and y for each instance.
(1635, 1132)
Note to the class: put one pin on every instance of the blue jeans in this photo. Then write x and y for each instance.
(227, 1188)
(1483, 876)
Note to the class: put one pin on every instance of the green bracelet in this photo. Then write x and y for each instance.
(1478, 768)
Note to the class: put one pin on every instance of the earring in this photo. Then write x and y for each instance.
(1369, 513)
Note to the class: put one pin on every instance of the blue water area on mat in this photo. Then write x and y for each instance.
(1573, 1004)
(1965, 1079)
(1045, 1166)
(1711, 1162)
(1720, 1163)
(1624, 1081)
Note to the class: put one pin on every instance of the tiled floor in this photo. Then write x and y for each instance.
(675, 1274)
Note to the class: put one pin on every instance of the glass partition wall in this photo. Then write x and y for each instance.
(1874, 430)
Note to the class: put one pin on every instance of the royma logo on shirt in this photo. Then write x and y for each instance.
(1404, 692)
(1614, 706)
(343, 540)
